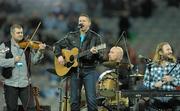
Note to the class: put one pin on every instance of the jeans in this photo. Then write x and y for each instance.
(88, 78)
(25, 95)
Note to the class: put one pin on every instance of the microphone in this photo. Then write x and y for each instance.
(178, 60)
(80, 26)
(145, 58)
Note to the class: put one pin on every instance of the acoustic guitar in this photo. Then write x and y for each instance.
(70, 57)
(36, 91)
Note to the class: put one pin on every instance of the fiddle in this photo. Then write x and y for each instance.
(31, 44)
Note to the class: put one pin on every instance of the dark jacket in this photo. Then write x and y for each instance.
(72, 40)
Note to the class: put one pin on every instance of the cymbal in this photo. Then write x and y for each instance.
(112, 64)
(137, 75)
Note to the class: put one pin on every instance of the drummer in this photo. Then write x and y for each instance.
(115, 56)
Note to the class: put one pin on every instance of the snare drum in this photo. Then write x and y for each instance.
(107, 83)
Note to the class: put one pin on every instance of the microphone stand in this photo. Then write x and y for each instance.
(78, 67)
(118, 89)
(60, 98)
(65, 107)
(178, 61)
(121, 36)
(149, 63)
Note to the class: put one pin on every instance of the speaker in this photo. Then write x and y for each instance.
(43, 108)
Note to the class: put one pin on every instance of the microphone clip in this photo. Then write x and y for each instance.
(147, 60)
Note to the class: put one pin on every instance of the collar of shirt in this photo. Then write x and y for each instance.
(14, 43)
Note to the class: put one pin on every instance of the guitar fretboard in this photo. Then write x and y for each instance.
(86, 52)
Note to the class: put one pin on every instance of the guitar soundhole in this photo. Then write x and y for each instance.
(69, 64)
(71, 58)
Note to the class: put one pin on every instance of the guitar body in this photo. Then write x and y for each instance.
(70, 57)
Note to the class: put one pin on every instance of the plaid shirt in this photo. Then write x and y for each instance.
(156, 72)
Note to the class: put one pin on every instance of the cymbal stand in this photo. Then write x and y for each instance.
(148, 65)
(118, 89)
(66, 94)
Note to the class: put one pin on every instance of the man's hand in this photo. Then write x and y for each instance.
(167, 78)
(61, 60)
(94, 50)
(17, 59)
(42, 46)
(158, 84)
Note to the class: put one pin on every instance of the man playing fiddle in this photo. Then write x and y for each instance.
(16, 70)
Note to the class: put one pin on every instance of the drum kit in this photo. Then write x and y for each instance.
(108, 88)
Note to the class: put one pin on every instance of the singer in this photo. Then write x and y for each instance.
(85, 74)
(157, 77)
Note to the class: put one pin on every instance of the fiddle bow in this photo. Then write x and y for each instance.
(31, 38)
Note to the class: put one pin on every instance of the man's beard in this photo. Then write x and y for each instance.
(168, 58)
(18, 39)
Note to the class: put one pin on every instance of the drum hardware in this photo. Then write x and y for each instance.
(100, 101)
(116, 65)
(100, 108)
(107, 83)
(108, 86)
(103, 103)
(136, 75)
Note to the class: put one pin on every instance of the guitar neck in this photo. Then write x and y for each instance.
(87, 52)
(37, 104)
(84, 53)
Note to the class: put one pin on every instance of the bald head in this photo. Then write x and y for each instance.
(116, 54)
